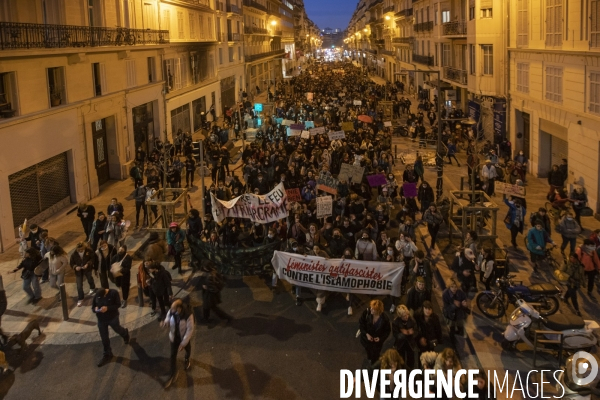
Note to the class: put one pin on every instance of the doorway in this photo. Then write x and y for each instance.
(100, 151)
(526, 134)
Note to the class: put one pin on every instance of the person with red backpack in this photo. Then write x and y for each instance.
(588, 257)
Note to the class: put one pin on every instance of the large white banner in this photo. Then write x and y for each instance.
(262, 209)
(338, 275)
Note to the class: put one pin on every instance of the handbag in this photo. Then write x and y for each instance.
(507, 219)
(116, 270)
(41, 267)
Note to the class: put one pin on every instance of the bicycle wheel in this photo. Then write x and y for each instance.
(490, 304)
(549, 209)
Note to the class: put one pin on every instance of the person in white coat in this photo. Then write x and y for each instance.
(58, 262)
(180, 320)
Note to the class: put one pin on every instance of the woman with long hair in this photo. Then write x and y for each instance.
(374, 329)
(57, 266)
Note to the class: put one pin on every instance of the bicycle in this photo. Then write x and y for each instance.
(557, 213)
(547, 258)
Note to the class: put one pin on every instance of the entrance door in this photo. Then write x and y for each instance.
(100, 150)
(526, 134)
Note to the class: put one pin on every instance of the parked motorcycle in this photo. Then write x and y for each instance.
(493, 303)
(577, 332)
(570, 378)
(400, 131)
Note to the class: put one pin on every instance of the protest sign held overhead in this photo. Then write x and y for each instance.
(387, 124)
(409, 189)
(327, 183)
(324, 206)
(336, 135)
(510, 190)
(347, 126)
(376, 180)
(262, 209)
(317, 131)
(305, 135)
(293, 195)
(351, 171)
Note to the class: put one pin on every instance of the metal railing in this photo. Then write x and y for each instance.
(426, 60)
(408, 39)
(16, 35)
(455, 28)
(424, 26)
(388, 52)
(388, 9)
(277, 33)
(455, 75)
(233, 37)
(254, 57)
(253, 29)
(407, 12)
(255, 4)
(232, 8)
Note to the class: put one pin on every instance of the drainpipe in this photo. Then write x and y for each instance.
(87, 161)
(507, 70)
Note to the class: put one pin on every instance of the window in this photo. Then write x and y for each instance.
(523, 77)
(594, 106)
(554, 22)
(8, 94)
(152, 69)
(554, 77)
(522, 23)
(57, 91)
(201, 26)
(240, 53)
(99, 79)
(595, 23)
(487, 52)
(192, 19)
(180, 24)
(231, 58)
(471, 13)
(436, 55)
(486, 13)
(472, 59)
(446, 55)
(211, 34)
(131, 74)
(201, 63)
(172, 71)
(445, 16)
(220, 56)
(435, 13)
(166, 25)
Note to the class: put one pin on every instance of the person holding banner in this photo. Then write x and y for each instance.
(375, 328)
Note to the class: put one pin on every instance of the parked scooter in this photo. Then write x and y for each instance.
(573, 379)
(577, 332)
(493, 303)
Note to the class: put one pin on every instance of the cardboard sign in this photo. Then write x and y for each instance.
(309, 96)
(336, 135)
(509, 190)
(357, 102)
(299, 127)
(409, 189)
(279, 120)
(348, 171)
(348, 126)
(324, 206)
(309, 124)
(317, 131)
(327, 183)
(294, 132)
(376, 180)
(305, 135)
(387, 124)
(293, 195)
(287, 122)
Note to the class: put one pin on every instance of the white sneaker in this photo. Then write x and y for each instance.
(79, 303)
(92, 291)
(349, 310)
(393, 308)
(347, 296)
(319, 307)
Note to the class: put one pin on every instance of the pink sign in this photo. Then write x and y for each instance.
(376, 180)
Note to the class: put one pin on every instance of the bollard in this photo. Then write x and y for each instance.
(395, 151)
(63, 300)
(140, 297)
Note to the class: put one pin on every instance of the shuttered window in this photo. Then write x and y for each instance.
(595, 23)
(523, 77)
(522, 23)
(554, 23)
(594, 105)
(131, 75)
(180, 24)
(192, 18)
(166, 25)
(554, 84)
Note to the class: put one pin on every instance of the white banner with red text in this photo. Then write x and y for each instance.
(262, 209)
(339, 275)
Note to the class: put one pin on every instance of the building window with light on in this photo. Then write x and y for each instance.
(487, 52)
(523, 77)
(554, 84)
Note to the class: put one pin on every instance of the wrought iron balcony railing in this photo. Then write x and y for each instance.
(455, 28)
(254, 57)
(249, 30)
(424, 26)
(405, 40)
(388, 53)
(426, 60)
(407, 12)
(255, 4)
(455, 75)
(388, 9)
(232, 8)
(233, 37)
(16, 35)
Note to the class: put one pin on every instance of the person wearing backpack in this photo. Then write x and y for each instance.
(488, 268)
(574, 270)
(139, 194)
(212, 284)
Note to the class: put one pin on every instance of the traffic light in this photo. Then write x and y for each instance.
(196, 150)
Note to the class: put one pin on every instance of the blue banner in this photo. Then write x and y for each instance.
(499, 120)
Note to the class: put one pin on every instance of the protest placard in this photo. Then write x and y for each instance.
(409, 189)
(305, 135)
(293, 195)
(279, 120)
(262, 209)
(327, 183)
(376, 180)
(347, 126)
(287, 122)
(317, 131)
(309, 96)
(299, 127)
(294, 132)
(351, 171)
(309, 124)
(336, 135)
(387, 124)
(341, 94)
(324, 206)
(357, 102)
(509, 190)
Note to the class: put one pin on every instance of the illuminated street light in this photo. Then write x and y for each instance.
(273, 23)
(387, 17)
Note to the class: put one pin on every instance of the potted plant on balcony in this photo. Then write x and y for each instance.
(55, 97)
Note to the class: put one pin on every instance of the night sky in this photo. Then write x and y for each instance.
(330, 13)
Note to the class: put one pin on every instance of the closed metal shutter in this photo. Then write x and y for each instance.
(35, 189)
(559, 149)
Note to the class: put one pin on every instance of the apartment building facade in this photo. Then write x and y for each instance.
(80, 89)
(554, 62)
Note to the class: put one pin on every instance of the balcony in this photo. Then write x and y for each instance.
(424, 26)
(255, 4)
(388, 53)
(379, 42)
(407, 12)
(43, 36)
(233, 37)
(253, 30)
(455, 75)
(426, 60)
(403, 40)
(455, 28)
(276, 33)
(232, 8)
(255, 57)
(388, 9)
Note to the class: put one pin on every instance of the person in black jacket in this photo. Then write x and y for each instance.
(425, 196)
(35, 236)
(429, 330)
(404, 329)
(124, 280)
(160, 285)
(417, 295)
(212, 283)
(106, 306)
(87, 215)
(31, 284)
(139, 195)
(104, 256)
(374, 329)
(82, 262)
